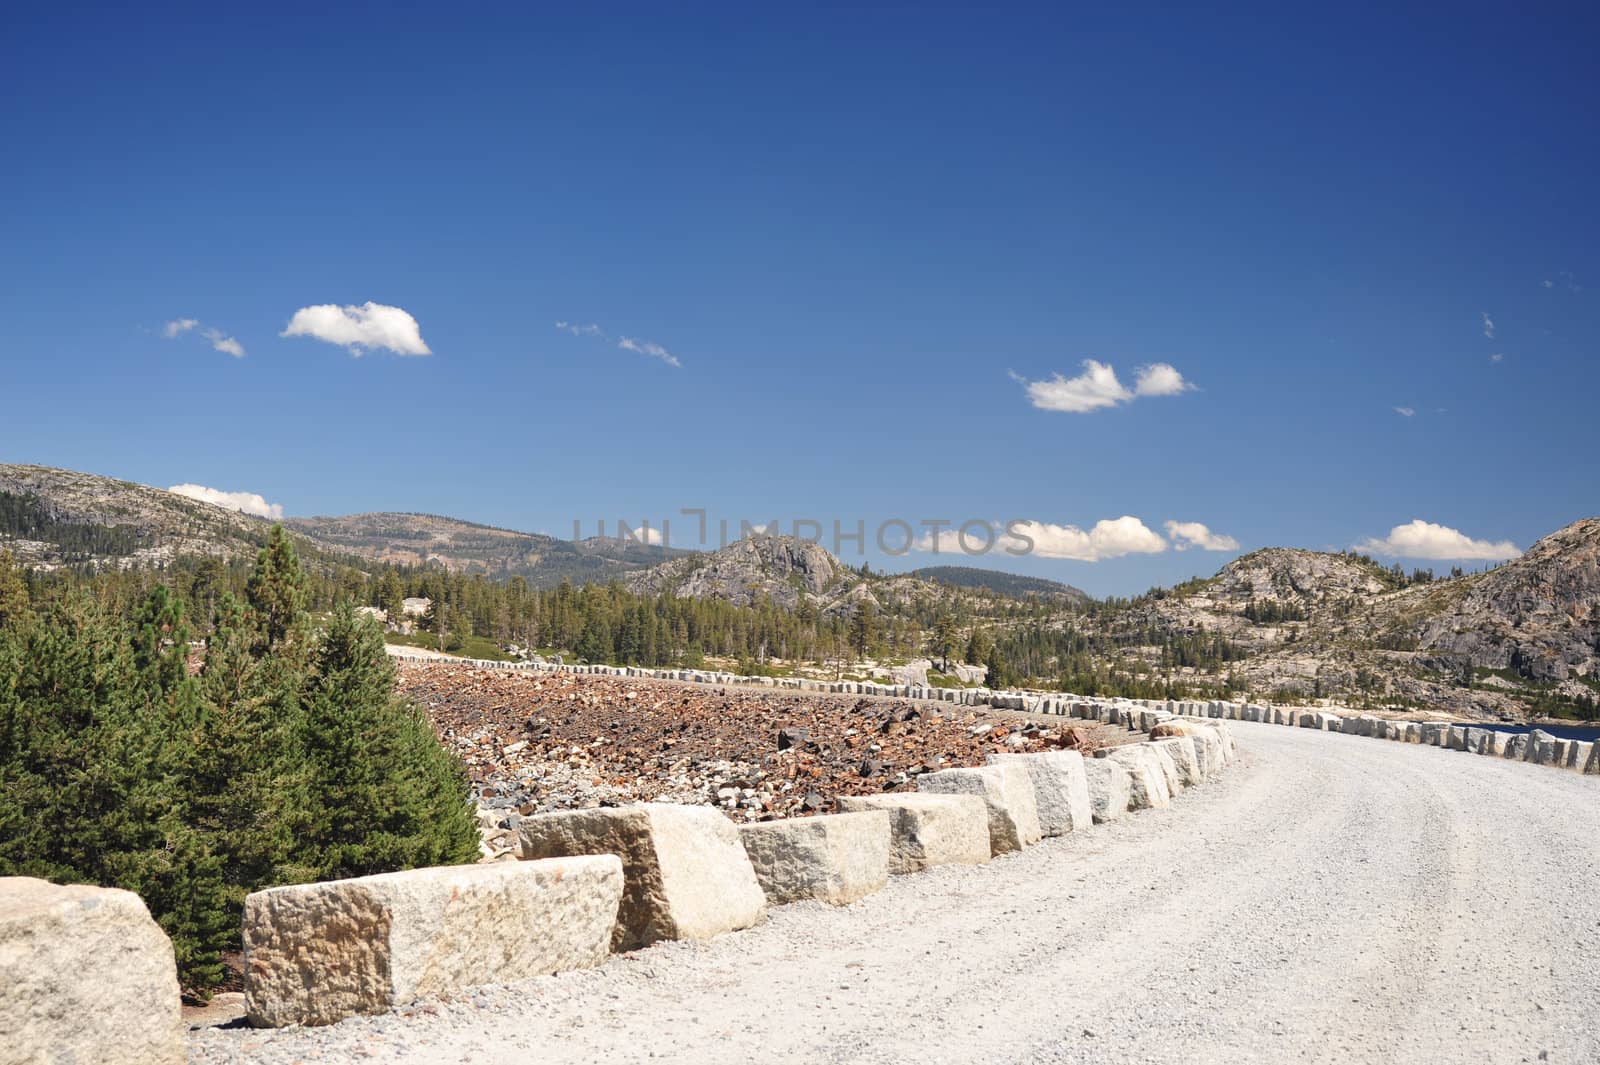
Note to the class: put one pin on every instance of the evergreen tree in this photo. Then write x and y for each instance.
(864, 628)
(944, 639)
(996, 675)
(16, 607)
(277, 589)
(383, 793)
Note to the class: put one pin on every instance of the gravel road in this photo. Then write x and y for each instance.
(1330, 899)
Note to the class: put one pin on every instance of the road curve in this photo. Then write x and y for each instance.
(1330, 899)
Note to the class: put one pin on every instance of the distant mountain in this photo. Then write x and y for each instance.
(52, 517)
(466, 547)
(1010, 584)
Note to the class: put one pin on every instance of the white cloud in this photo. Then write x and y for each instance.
(1406, 412)
(1187, 534)
(1497, 357)
(1548, 283)
(1110, 538)
(646, 534)
(1160, 379)
(357, 329)
(644, 347)
(638, 347)
(1488, 325)
(1098, 387)
(246, 502)
(223, 343)
(1424, 539)
(220, 341)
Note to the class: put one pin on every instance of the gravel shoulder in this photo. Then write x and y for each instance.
(1330, 899)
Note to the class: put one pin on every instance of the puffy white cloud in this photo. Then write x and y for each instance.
(1488, 325)
(648, 534)
(1110, 538)
(1098, 386)
(1093, 389)
(358, 329)
(1160, 379)
(1187, 534)
(1497, 357)
(178, 325)
(644, 347)
(1406, 412)
(1424, 539)
(246, 502)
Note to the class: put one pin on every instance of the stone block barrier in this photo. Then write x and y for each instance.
(685, 873)
(927, 830)
(317, 953)
(1007, 793)
(86, 978)
(835, 859)
(1060, 789)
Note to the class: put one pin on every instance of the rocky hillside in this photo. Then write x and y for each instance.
(51, 517)
(748, 571)
(1537, 616)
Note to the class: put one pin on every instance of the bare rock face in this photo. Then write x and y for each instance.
(317, 953)
(86, 976)
(686, 875)
(1006, 790)
(836, 859)
(928, 830)
(749, 570)
(1539, 614)
(1060, 789)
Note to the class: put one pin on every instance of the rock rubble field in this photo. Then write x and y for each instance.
(540, 741)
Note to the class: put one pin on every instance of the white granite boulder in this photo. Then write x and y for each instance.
(1148, 783)
(86, 978)
(1110, 788)
(1006, 790)
(1060, 789)
(317, 953)
(928, 830)
(835, 859)
(1181, 750)
(685, 873)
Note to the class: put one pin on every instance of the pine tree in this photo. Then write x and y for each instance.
(383, 793)
(277, 589)
(996, 675)
(16, 607)
(944, 638)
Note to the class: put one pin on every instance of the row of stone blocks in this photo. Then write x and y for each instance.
(1536, 745)
(90, 977)
(961, 696)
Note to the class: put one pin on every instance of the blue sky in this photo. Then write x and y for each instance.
(860, 234)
